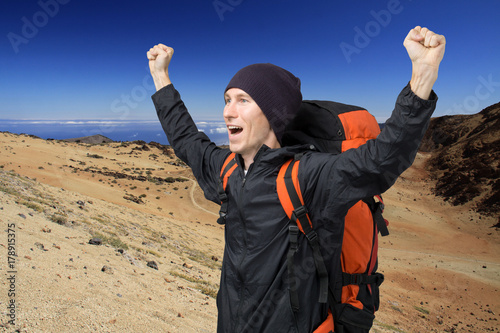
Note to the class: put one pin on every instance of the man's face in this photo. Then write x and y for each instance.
(248, 127)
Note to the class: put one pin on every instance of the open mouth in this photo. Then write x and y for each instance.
(233, 130)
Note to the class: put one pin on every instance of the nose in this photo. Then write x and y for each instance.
(230, 111)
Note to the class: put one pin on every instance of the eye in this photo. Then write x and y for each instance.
(228, 101)
(244, 100)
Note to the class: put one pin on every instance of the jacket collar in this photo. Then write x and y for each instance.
(275, 157)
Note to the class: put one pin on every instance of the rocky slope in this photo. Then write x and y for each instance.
(465, 159)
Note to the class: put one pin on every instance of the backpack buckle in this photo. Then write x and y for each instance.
(222, 214)
(312, 236)
(299, 213)
(353, 279)
(293, 232)
(222, 196)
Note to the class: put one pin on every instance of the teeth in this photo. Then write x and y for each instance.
(233, 127)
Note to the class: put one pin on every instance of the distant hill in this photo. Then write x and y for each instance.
(93, 139)
(465, 158)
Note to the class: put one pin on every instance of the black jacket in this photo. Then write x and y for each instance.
(253, 295)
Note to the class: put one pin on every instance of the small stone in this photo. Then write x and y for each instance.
(95, 241)
(180, 315)
(188, 266)
(22, 216)
(152, 264)
(40, 246)
(107, 269)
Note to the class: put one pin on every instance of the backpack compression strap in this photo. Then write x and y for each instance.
(291, 199)
(226, 171)
(377, 208)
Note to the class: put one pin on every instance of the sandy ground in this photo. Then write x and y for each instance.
(442, 263)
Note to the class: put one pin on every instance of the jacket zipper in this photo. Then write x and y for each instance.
(245, 248)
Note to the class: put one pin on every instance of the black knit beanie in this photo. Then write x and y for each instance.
(275, 90)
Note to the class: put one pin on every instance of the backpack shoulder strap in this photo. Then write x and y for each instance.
(227, 169)
(290, 196)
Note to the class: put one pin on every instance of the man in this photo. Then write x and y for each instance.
(260, 100)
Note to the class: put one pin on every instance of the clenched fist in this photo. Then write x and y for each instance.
(426, 50)
(424, 46)
(159, 59)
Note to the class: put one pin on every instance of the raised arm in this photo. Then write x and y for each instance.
(426, 50)
(374, 167)
(190, 145)
(159, 58)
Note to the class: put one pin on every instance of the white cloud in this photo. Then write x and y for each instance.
(218, 130)
(76, 121)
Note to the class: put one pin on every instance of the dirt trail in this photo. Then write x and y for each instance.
(191, 194)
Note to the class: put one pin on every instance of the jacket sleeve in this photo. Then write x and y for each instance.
(374, 167)
(190, 145)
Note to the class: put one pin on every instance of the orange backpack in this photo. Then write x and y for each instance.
(331, 127)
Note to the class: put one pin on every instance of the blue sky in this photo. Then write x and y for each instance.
(74, 59)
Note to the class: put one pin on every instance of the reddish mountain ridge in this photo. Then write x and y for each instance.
(465, 159)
